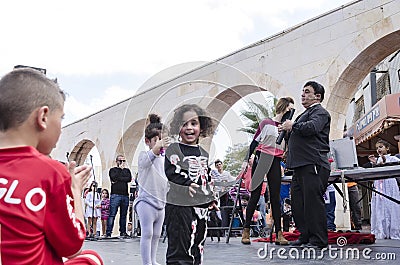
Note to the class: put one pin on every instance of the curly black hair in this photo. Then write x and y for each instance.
(206, 123)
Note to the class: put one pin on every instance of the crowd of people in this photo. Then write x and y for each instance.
(177, 188)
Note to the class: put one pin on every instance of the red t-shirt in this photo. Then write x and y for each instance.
(37, 217)
(246, 183)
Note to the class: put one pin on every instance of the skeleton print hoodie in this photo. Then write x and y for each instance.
(186, 164)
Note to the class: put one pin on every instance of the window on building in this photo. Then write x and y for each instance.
(382, 86)
(398, 74)
(359, 109)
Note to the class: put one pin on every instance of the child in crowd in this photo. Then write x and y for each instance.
(92, 213)
(84, 193)
(105, 210)
(190, 194)
(385, 214)
(286, 215)
(41, 215)
(153, 188)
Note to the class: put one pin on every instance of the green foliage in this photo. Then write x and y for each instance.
(256, 112)
(234, 159)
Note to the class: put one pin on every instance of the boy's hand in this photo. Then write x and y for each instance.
(192, 190)
(79, 175)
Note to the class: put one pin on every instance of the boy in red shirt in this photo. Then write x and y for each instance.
(41, 216)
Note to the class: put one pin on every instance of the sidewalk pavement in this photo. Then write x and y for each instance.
(127, 251)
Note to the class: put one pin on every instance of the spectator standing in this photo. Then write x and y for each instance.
(221, 176)
(105, 210)
(120, 177)
(355, 209)
(307, 155)
(93, 209)
(330, 205)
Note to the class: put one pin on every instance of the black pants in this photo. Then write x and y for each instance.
(309, 183)
(225, 210)
(270, 165)
(186, 232)
(355, 209)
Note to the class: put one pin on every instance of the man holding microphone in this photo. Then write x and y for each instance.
(307, 156)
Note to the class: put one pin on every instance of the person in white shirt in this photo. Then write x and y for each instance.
(220, 178)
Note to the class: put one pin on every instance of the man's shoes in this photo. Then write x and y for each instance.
(246, 236)
(297, 243)
(310, 245)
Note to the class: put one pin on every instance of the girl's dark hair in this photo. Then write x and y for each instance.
(154, 127)
(206, 123)
(384, 143)
(108, 194)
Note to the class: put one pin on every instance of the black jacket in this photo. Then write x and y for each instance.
(309, 138)
(119, 180)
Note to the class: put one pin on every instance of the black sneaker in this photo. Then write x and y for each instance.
(124, 236)
(297, 243)
(310, 245)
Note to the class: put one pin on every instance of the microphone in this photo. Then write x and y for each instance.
(287, 116)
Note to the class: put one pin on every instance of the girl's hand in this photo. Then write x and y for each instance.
(372, 159)
(192, 190)
(161, 143)
(213, 205)
(383, 159)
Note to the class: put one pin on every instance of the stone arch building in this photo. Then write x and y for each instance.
(338, 49)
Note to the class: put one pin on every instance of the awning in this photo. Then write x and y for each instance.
(383, 115)
(376, 130)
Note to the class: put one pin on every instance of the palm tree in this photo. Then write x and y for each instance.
(255, 113)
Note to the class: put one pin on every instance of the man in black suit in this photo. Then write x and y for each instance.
(307, 155)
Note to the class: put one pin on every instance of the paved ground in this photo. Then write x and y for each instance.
(127, 251)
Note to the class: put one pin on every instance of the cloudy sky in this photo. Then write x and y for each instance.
(103, 51)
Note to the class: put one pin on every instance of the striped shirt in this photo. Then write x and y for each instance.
(266, 136)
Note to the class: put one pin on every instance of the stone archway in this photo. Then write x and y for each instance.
(345, 84)
(80, 151)
(130, 139)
